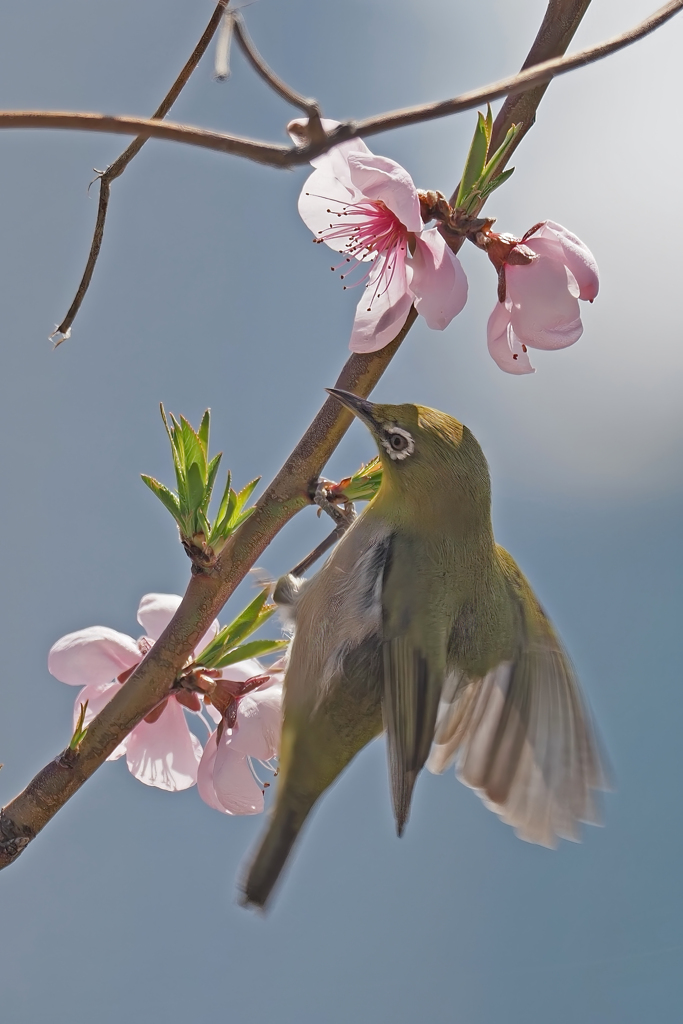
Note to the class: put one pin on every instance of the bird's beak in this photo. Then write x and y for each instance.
(360, 407)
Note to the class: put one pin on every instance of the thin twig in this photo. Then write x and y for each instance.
(121, 162)
(282, 156)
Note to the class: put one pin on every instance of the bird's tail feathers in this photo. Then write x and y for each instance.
(273, 853)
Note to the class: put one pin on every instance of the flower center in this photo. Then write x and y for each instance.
(370, 233)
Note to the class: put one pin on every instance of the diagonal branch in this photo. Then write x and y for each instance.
(121, 162)
(283, 156)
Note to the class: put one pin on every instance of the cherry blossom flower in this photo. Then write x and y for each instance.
(160, 751)
(249, 731)
(542, 276)
(367, 208)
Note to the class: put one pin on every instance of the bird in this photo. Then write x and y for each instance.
(421, 626)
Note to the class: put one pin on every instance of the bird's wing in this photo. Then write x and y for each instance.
(522, 735)
(413, 668)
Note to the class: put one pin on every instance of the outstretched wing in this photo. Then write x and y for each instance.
(414, 660)
(522, 735)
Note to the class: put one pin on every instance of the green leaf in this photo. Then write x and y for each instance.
(245, 494)
(222, 527)
(489, 125)
(213, 649)
(195, 487)
(204, 524)
(238, 520)
(166, 497)
(254, 649)
(222, 508)
(211, 472)
(250, 619)
(175, 451)
(496, 183)
(476, 159)
(500, 154)
(194, 453)
(203, 432)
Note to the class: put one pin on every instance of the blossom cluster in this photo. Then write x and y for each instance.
(367, 208)
(161, 750)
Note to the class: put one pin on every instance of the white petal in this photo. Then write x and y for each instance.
(156, 611)
(205, 786)
(380, 179)
(93, 655)
(259, 723)
(164, 753)
(382, 309)
(235, 786)
(504, 345)
(324, 207)
(438, 280)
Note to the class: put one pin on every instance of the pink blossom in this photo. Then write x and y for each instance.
(367, 208)
(160, 751)
(542, 276)
(249, 732)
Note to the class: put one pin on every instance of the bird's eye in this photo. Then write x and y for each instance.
(398, 443)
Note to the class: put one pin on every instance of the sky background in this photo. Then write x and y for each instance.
(209, 293)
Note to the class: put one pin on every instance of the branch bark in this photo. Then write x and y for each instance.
(291, 490)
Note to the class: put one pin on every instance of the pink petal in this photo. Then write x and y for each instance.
(234, 784)
(438, 280)
(164, 753)
(205, 786)
(323, 201)
(544, 312)
(97, 696)
(259, 723)
(575, 255)
(504, 346)
(380, 179)
(375, 327)
(156, 611)
(93, 655)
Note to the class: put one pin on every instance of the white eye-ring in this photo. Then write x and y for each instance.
(398, 443)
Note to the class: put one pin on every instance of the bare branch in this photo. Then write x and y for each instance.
(147, 128)
(283, 156)
(121, 162)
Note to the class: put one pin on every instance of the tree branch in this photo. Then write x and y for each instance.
(121, 162)
(283, 156)
(291, 490)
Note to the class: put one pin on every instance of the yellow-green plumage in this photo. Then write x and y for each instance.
(420, 624)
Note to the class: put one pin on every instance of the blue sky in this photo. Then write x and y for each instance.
(209, 293)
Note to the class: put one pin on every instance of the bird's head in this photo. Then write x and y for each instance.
(427, 456)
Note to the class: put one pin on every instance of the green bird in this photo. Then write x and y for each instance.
(421, 625)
